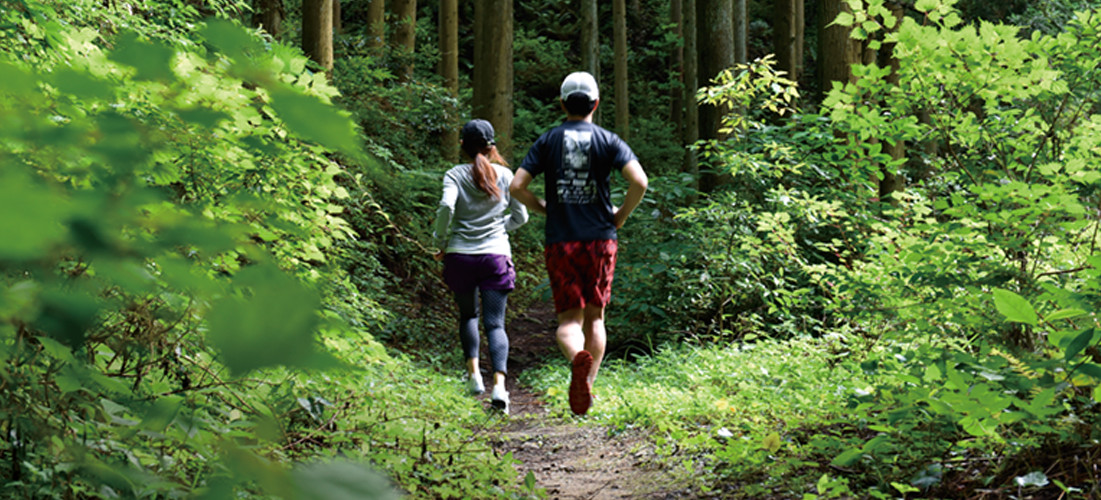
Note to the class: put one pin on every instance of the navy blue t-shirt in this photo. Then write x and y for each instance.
(578, 158)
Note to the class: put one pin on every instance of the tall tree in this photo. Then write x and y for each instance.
(676, 98)
(269, 15)
(788, 37)
(403, 13)
(449, 69)
(622, 101)
(891, 181)
(741, 32)
(338, 23)
(493, 68)
(376, 23)
(837, 51)
(716, 53)
(317, 31)
(691, 132)
(590, 43)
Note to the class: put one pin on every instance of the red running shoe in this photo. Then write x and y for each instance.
(581, 397)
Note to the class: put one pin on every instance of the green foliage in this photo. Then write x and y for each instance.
(175, 242)
(961, 301)
(400, 120)
(994, 236)
(751, 257)
(738, 411)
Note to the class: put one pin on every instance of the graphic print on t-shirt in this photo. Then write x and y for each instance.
(574, 184)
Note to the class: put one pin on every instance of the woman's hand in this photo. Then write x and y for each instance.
(438, 256)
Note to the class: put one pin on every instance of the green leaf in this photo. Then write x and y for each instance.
(1014, 307)
(1065, 314)
(771, 442)
(161, 413)
(844, 19)
(313, 120)
(57, 350)
(153, 60)
(1079, 343)
(82, 85)
(926, 5)
(1091, 369)
(31, 216)
(15, 81)
(904, 488)
(341, 481)
(203, 117)
(69, 380)
(274, 325)
(67, 315)
(847, 457)
(226, 37)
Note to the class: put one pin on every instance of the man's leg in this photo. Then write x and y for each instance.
(595, 337)
(572, 342)
(570, 335)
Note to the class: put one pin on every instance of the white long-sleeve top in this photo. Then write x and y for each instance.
(469, 221)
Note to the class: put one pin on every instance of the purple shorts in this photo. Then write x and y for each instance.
(463, 273)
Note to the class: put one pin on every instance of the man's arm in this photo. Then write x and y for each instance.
(638, 181)
(519, 191)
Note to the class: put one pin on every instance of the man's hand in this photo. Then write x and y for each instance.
(438, 256)
(637, 188)
(619, 218)
(519, 190)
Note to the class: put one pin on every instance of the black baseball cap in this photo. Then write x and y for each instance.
(477, 134)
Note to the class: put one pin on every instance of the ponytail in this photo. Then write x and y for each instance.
(485, 176)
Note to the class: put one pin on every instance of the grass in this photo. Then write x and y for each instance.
(726, 412)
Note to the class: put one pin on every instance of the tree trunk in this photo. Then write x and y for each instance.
(800, 38)
(404, 16)
(493, 68)
(676, 97)
(269, 15)
(783, 37)
(716, 53)
(376, 24)
(837, 51)
(622, 101)
(892, 181)
(590, 43)
(317, 31)
(338, 23)
(741, 32)
(691, 106)
(449, 71)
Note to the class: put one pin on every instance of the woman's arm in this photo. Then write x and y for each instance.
(518, 214)
(444, 212)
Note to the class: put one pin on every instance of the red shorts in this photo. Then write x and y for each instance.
(581, 273)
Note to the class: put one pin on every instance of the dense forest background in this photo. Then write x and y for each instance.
(867, 265)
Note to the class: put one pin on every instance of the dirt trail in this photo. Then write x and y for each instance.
(569, 460)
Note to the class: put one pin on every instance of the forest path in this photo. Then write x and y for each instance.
(569, 459)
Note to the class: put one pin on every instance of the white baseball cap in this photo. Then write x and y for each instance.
(580, 82)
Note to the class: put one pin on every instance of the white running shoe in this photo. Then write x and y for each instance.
(474, 382)
(500, 398)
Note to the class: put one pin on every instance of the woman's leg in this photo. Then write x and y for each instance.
(468, 335)
(494, 303)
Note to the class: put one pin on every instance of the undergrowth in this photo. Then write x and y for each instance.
(719, 413)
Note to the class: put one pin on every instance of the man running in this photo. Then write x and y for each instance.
(577, 157)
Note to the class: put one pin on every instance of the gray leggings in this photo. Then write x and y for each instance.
(493, 319)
